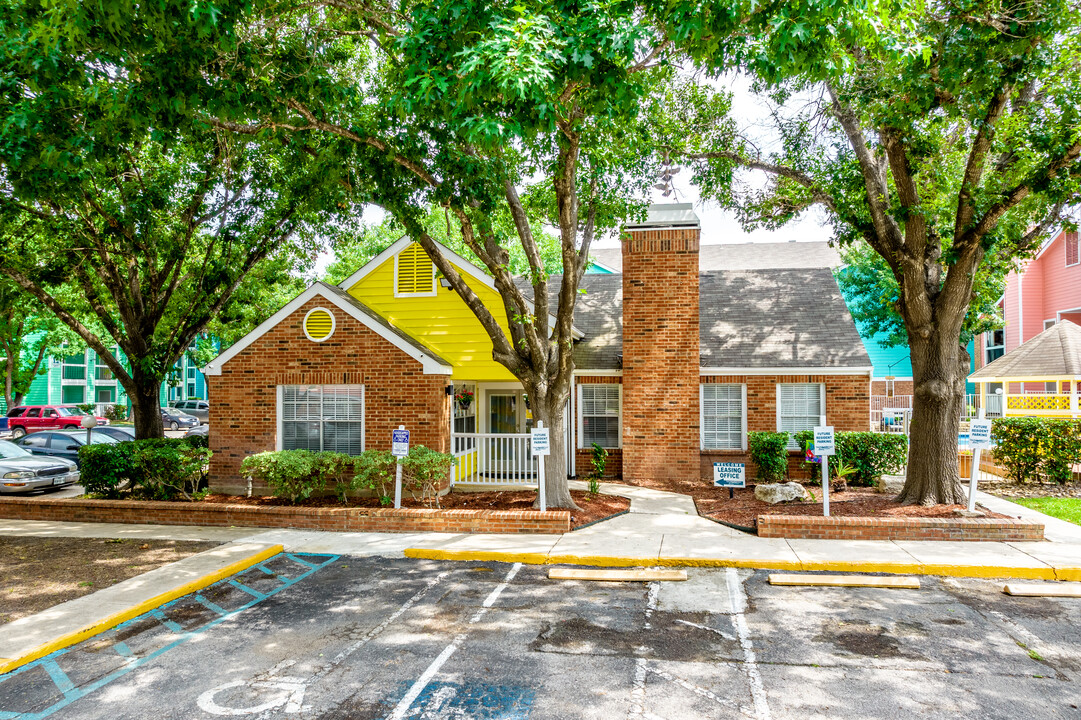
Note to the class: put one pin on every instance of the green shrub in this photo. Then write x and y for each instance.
(168, 468)
(1037, 448)
(105, 468)
(769, 452)
(290, 474)
(869, 455)
(116, 413)
(600, 464)
(425, 469)
(197, 441)
(374, 470)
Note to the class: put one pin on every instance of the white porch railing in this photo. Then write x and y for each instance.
(493, 459)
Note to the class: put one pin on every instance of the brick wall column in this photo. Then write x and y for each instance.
(660, 353)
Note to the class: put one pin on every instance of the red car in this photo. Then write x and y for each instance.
(28, 418)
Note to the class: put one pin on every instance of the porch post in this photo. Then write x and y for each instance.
(1074, 398)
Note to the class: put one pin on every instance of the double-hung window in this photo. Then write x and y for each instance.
(799, 407)
(599, 412)
(723, 417)
(322, 417)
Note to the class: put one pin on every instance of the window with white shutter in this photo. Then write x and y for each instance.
(323, 417)
(599, 411)
(799, 407)
(722, 417)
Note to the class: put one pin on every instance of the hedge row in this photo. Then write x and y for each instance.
(295, 475)
(154, 468)
(869, 455)
(1037, 448)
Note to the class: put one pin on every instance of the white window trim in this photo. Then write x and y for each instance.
(580, 427)
(1066, 249)
(702, 418)
(1049, 323)
(280, 402)
(435, 286)
(333, 324)
(777, 402)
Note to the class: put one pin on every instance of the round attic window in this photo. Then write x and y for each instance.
(318, 324)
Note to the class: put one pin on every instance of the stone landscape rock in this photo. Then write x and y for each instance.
(779, 492)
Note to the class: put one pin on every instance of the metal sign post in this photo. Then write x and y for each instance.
(824, 447)
(399, 448)
(979, 437)
(540, 447)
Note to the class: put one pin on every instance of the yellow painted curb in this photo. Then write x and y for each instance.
(601, 561)
(990, 571)
(890, 568)
(115, 619)
(525, 558)
(1068, 573)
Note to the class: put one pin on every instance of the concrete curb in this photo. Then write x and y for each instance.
(943, 570)
(110, 621)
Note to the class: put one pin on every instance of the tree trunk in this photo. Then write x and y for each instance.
(556, 490)
(939, 368)
(145, 393)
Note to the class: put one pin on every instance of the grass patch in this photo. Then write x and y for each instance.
(1068, 509)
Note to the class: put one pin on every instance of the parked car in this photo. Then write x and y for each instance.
(28, 418)
(203, 430)
(21, 471)
(59, 443)
(198, 408)
(173, 419)
(120, 433)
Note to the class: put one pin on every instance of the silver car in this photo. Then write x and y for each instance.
(22, 472)
(198, 408)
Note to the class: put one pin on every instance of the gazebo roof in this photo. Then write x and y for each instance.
(1054, 353)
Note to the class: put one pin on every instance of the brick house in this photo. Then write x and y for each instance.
(674, 366)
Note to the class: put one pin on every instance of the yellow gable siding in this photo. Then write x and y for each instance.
(442, 322)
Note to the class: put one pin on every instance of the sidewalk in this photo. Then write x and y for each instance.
(662, 528)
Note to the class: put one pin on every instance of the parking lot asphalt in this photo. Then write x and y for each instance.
(349, 638)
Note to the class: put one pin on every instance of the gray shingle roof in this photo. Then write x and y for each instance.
(779, 318)
(746, 256)
(1056, 352)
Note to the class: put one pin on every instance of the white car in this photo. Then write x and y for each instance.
(21, 471)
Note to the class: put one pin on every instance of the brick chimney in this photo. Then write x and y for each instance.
(660, 345)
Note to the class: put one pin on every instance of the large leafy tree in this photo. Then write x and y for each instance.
(939, 133)
(498, 113)
(114, 187)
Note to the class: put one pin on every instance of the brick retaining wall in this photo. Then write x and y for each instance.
(309, 518)
(856, 528)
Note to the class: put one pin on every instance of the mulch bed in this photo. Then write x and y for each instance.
(744, 508)
(1011, 489)
(592, 508)
(39, 573)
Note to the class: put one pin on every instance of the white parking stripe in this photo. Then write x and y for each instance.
(750, 664)
(426, 677)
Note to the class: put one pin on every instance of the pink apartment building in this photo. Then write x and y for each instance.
(1045, 291)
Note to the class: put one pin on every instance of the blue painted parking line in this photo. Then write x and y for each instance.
(50, 664)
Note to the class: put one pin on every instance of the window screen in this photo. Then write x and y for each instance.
(323, 417)
(722, 417)
(600, 415)
(799, 408)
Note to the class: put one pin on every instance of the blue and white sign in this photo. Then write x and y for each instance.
(541, 441)
(979, 434)
(825, 444)
(730, 475)
(399, 442)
